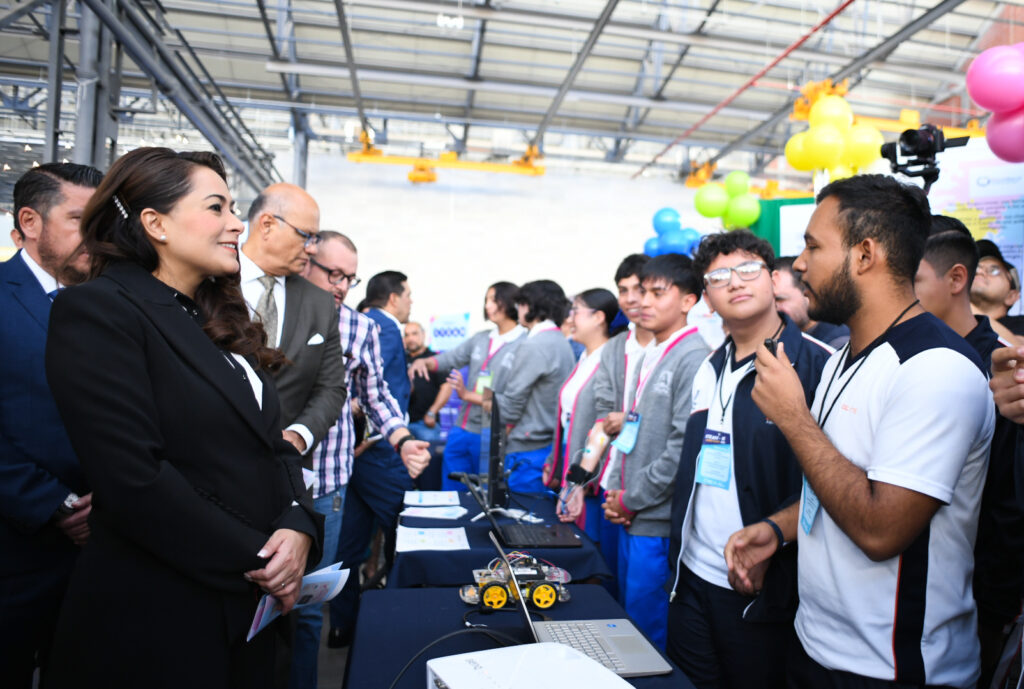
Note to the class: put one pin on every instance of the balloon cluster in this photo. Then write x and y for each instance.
(995, 81)
(834, 142)
(671, 237)
(733, 202)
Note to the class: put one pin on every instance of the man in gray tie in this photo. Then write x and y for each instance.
(300, 318)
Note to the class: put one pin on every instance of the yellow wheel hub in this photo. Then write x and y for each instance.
(544, 596)
(494, 596)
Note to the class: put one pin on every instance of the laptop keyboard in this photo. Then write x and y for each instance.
(528, 535)
(583, 636)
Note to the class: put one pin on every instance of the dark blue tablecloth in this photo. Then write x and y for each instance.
(395, 624)
(455, 567)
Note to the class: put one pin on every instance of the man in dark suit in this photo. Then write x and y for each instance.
(299, 317)
(44, 501)
(379, 480)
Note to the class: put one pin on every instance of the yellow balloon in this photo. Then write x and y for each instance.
(839, 172)
(832, 110)
(797, 154)
(863, 145)
(825, 144)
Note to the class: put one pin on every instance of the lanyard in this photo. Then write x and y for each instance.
(490, 355)
(719, 384)
(822, 420)
(643, 383)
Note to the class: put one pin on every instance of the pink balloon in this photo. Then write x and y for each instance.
(995, 79)
(1005, 135)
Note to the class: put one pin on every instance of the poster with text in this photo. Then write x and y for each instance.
(446, 332)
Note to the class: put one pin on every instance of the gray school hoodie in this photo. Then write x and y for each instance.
(648, 473)
(472, 352)
(528, 399)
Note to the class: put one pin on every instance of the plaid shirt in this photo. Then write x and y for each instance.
(332, 458)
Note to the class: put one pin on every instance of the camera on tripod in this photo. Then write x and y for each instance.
(918, 149)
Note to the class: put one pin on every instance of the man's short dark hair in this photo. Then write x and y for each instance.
(630, 266)
(381, 286)
(675, 269)
(951, 243)
(895, 215)
(946, 249)
(40, 187)
(725, 243)
(505, 295)
(544, 300)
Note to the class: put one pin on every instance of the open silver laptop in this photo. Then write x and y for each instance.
(616, 644)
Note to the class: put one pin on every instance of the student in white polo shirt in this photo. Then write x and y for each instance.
(736, 469)
(894, 451)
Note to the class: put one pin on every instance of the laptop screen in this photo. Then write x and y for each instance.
(520, 599)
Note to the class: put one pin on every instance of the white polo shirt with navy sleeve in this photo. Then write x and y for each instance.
(912, 410)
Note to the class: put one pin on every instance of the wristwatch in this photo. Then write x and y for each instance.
(431, 414)
(68, 506)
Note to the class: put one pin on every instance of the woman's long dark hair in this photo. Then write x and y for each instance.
(158, 178)
(604, 301)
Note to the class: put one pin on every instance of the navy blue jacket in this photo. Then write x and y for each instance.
(38, 468)
(396, 372)
(998, 575)
(767, 474)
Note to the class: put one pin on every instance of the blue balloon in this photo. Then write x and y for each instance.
(692, 238)
(665, 220)
(673, 242)
(652, 247)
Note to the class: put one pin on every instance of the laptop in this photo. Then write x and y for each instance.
(557, 535)
(616, 643)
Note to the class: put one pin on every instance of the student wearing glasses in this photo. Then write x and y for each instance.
(657, 408)
(300, 319)
(736, 469)
(996, 288)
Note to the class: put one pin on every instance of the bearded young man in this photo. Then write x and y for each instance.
(894, 452)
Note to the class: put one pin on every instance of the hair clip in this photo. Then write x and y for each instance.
(120, 207)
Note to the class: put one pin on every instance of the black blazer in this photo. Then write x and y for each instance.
(189, 476)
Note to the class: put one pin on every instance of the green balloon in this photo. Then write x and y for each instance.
(743, 211)
(711, 200)
(737, 183)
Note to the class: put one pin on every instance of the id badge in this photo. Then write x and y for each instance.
(483, 381)
(714, 466)
(808, 508)
(626, 440)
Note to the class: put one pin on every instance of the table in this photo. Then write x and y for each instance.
(394, 624)
(455, 567)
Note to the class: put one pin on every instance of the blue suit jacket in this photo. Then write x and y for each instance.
(38, 468)
(396, 374)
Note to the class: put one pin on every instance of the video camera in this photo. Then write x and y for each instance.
(921, 146)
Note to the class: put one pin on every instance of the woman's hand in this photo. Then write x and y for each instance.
(457, 383)
(287, 550)
(571, 503)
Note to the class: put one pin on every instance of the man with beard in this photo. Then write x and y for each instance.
(894, 452)
(44, 501)
(791, 300)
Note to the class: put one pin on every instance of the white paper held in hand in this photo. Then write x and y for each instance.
(322, 585)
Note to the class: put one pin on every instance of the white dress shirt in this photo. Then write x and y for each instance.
(46, 281)
(252, 291)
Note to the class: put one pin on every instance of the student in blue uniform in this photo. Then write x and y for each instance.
(536, 369)
(651, 440)
(483, 353)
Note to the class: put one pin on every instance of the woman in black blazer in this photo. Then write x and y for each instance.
(161, 379)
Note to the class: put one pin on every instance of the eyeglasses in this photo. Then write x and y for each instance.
(336, 276)
(311, 238)
(748, 270)
(992, 270)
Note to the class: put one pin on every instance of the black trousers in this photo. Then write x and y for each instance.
(715, 647)
(805, 673)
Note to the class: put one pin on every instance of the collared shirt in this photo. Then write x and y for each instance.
(391, 317)
(652, 355)
(46, 281)
(584, 370)
(253, 290)
(543, 326)
(360, 344)
(498, 340)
